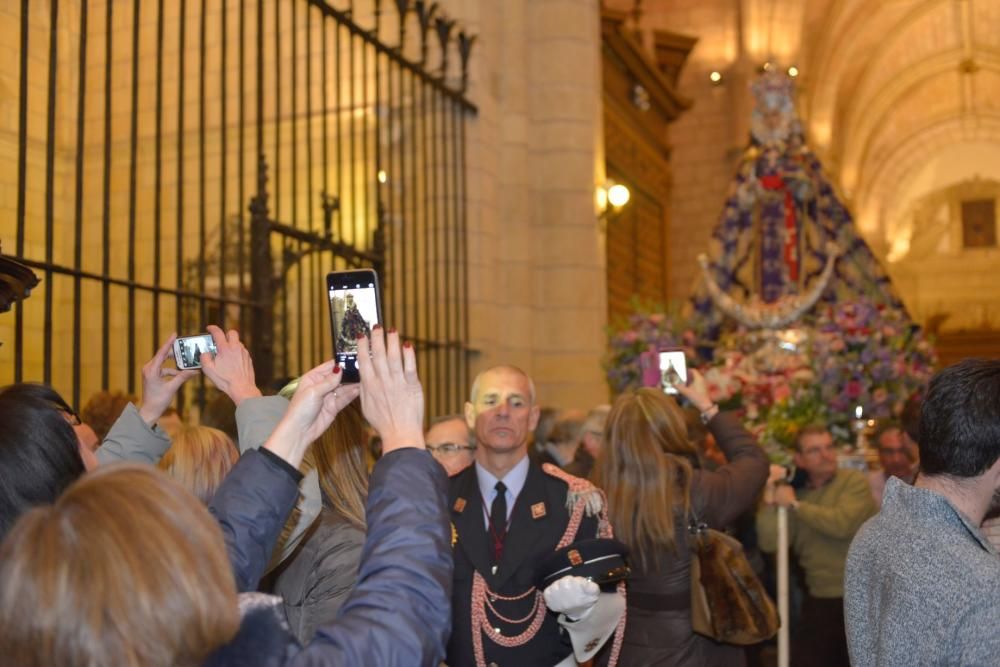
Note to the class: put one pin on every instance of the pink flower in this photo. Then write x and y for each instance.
(853, 389)
(781, 392)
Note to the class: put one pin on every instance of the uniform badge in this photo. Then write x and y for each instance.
(538, 510)
(459, 505)
(574, 557)
(454, 535)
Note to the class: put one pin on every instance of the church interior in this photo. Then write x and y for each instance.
(790, 205)
(494, 229)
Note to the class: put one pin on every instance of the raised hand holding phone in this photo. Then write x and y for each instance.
(231, 368)
(392, 398)
(696, 391)
(355, 309)
(188, 350)
(673, 369)
(160, 383)
(318, 400)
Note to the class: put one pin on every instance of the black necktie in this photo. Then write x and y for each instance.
(498, 521)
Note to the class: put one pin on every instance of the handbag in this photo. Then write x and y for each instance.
(728, 602)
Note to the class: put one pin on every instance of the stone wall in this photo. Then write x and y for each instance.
(536, 257)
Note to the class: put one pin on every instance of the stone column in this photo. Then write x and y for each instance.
(565, 143)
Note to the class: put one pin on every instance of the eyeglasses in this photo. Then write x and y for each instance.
(449, 448)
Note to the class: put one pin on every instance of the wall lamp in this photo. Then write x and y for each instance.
(611, 199)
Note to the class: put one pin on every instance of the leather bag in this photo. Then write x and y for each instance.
(728, 602)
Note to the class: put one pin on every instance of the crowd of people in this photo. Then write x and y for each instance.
(272, 534)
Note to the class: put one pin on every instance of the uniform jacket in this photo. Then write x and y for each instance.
(658, 631)
(537, 523)
(399, 611)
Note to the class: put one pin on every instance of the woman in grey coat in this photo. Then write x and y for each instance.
(316, 580)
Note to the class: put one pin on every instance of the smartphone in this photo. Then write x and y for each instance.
(355, 307)
(188, 350)
(673, 370)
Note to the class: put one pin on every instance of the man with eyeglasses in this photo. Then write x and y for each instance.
(823, 517)
(449, 441)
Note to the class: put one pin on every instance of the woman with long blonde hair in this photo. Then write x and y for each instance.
(656, 487)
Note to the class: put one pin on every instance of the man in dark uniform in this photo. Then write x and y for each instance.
(508, 515)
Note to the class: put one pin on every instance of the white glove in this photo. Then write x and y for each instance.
(573, 596)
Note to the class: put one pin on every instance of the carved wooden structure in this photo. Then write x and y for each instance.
(640, 101)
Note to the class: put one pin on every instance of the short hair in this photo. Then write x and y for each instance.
(39, 453)
(809, 429)
(103, 409)
(597, 418)
(447, 418)
(546, 421)
(199, 458)
(126, 568)
(568, 427)
(502, 367)
(960, 420)
(886, 426)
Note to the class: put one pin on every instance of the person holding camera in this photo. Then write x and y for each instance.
(655, 486)
(128, 544)
(823, 517)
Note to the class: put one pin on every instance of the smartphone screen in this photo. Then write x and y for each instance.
(188, 350)
(673, 370)
(354, 309)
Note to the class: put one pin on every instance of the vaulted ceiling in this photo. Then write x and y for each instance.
(899, 97)
(902, 97)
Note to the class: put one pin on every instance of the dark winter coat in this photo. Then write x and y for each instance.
(537, 522)
(658, 630)
(399, 613)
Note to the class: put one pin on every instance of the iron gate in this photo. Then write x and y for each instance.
(175, 163)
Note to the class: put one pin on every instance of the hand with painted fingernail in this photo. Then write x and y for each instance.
(392, 397)
(319, 398)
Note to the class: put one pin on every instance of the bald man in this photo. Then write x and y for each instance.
(509, 514)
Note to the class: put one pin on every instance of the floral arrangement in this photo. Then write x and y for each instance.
(635, 339)
(843, 356)
(868, 356)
